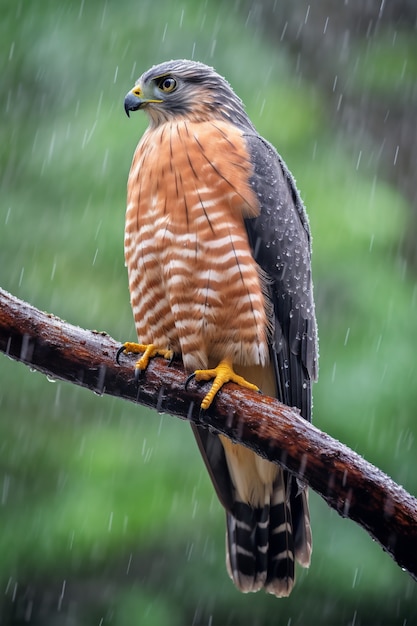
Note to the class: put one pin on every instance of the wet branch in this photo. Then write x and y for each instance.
(350, 485)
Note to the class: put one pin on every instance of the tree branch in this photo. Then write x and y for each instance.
(350, 485)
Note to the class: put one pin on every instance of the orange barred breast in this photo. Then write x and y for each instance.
(195, 287)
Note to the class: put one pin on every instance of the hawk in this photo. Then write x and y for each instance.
(217, 247)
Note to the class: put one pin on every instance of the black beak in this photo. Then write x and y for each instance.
(132, 103)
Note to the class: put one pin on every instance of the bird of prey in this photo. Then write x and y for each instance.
(218, 252)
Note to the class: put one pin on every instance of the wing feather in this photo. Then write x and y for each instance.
(281, 244)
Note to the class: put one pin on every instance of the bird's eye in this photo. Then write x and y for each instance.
(167, 84)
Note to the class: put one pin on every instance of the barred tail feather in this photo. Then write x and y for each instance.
(247, 546)
(260, 544)
(303, 541)
(281, 574)
(268, 522)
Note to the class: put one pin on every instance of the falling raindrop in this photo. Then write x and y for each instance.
(5, 489)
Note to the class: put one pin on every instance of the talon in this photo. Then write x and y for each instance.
(129, 347)
(189, 379)
(221, 374)
(119, 352)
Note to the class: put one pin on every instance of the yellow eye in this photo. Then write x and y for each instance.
(167, 84)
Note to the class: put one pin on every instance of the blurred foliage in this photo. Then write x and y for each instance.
(107, 514)
(387, 66)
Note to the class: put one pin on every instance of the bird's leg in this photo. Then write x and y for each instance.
(149, 352)
(220, 375)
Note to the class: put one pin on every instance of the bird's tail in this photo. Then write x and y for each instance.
(263, 543)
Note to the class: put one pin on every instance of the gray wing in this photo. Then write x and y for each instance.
(281, 245)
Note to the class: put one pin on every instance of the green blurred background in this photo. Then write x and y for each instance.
(107, 515)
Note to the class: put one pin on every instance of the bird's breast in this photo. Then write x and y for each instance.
(191, 270)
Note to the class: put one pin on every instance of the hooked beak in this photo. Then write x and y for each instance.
(135, 100)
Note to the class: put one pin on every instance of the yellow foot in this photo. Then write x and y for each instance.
(149, 352)
(221, 374)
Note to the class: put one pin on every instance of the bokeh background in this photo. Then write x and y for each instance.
(107, 515)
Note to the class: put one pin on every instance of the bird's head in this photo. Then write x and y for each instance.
(185, 89)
